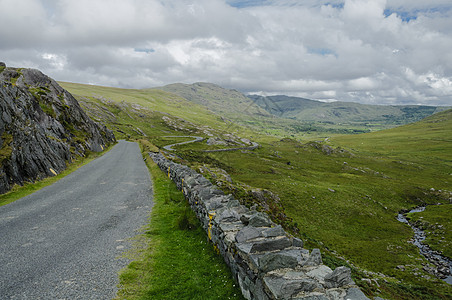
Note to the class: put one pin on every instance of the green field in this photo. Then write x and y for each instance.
(341, 194)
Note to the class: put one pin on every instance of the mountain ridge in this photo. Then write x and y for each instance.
(295, 116)
(340, 111)
(213, 96)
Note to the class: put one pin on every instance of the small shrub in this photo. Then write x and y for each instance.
(187, 220)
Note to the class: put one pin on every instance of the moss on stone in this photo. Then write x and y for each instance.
(6, 150)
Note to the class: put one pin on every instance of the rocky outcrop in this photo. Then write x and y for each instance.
(42, 128)
(267, 262)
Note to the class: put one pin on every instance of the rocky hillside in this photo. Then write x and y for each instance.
(42, 128)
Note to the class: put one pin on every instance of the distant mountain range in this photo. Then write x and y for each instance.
(342, 112)
(297, 115)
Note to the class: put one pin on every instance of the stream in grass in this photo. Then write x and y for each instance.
(443, 265)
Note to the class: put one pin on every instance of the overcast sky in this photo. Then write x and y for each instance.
(368, 51)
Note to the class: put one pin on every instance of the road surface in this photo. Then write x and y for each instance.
(64, 241)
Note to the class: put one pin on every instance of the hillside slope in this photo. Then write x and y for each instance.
(430, 138)
(42, 128)
(154, 99)
(224, 102)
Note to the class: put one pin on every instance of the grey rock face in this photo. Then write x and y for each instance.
(355, 294)
(42, 127)
(247, 233)
(297, 242)
(274, 231)
(314, 259)
(317, 296)
(271, 245)
(273, 261)
(340, 277)
(284, 288)
(260, 220)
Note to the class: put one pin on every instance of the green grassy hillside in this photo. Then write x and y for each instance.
(342, 195)
(153, 99)
(227, 103)
(424, 141)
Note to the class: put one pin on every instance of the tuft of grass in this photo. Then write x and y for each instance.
(178, 261)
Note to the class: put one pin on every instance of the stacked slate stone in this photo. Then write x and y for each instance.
(266, 262)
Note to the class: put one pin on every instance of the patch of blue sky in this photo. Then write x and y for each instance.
(248, 3)
(322, 51)
(49, 7)
(289, 3)
(338, 5)
(144, 50)
(408, 16)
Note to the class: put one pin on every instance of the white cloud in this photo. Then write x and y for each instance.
(374, 51)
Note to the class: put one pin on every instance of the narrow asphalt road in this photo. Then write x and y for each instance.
(64, 241)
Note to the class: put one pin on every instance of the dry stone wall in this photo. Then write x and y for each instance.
(267, 262)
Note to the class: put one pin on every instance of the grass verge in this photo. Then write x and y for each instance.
(28, 188)
(177, 261)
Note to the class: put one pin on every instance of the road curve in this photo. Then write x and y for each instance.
(63, 241)
(196, 139)
(253, 146)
